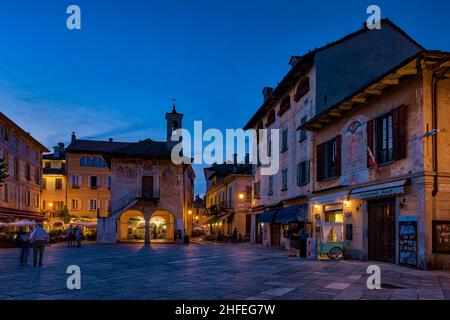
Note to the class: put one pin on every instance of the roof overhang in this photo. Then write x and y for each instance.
(406, 70)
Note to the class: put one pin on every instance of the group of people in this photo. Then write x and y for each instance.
(36, 240)
(74, 236)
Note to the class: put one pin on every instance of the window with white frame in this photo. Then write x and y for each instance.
(92, 205)
(75, 204)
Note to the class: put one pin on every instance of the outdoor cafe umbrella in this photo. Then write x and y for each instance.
(22, 223)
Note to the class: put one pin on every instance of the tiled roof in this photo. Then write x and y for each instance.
(146, 148)
(94, 146)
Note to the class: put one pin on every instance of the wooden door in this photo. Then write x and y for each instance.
(381, 230)
(147, 187)
(275, 235)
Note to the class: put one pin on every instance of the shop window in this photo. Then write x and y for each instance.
(334, 216)
(329, 159)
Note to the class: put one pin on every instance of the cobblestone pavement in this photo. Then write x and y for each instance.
(206, 271)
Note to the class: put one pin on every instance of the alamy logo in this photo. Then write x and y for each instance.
(374, 21)
(374, 280)
(73, 21)
(74, 280)
(262, 147)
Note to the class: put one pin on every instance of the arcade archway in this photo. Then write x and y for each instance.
(161, 226)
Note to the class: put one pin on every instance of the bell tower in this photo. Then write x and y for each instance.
(174, 122)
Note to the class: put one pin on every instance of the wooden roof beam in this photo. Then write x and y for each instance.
(407, 72)
(390, 82)
(334, 113)
(359, 100)
(373, 92)
(346, 106)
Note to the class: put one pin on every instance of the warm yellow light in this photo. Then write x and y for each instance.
(241, 196)
(346, 203)
(190, 211)
(197, 217)
(50, 204)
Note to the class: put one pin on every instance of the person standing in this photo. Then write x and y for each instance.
(78, 236)
(70, 236)
(38, 239)
(23, 242)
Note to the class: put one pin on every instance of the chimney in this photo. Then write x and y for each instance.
(110, 140)
(267, 91)
(247, 159)
(294, 60)
(74, 137)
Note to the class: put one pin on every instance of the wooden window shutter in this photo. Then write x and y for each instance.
(399, 132)
(307, 172)
(369, 131)
(338, 155)
(320, 151)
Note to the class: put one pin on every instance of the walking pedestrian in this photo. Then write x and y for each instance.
(23, 242)
(38, 239)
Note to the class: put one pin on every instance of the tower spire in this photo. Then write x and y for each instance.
(174, 105)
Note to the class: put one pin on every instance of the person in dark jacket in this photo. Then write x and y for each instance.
(23, 242)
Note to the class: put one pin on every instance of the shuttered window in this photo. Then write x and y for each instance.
(303, 173)
(390, 136)
(369, 132)
(329, 159)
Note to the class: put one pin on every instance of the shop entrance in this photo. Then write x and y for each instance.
(275, 230)
(381, 230)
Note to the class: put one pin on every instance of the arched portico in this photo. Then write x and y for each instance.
(131, 226)
(155, 226)
(162, 226)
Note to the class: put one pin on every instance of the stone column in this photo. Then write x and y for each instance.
(147, 230)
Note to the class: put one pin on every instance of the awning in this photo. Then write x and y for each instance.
(267, 217)
(219, 218)
(379, 190)
(292, 214)
(329, 198)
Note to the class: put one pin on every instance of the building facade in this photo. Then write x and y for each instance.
(54, 187)
(381, 166)
(228, 199)
(152, 198)
(316, 81)
(20, 194)
(89, 178)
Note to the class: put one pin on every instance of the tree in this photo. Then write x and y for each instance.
(67, 216)
(3, 174)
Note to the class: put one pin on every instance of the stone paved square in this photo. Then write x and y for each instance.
(206, 271)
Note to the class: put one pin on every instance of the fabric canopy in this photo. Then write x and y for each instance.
(292, 214)
(380, 190)
(22, 223)
(219, 218)
(267, 217)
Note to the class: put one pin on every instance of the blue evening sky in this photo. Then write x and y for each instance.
(117, 76)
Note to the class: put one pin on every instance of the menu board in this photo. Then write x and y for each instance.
(441, 236)
(408, 240)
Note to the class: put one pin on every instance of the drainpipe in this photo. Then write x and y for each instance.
(434, 126)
